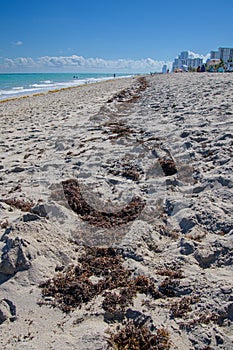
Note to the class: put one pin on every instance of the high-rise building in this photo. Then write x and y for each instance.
(225, 53)
(184, 61)
(184, 55)
(214, 55)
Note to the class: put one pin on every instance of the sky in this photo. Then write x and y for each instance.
(108, 35)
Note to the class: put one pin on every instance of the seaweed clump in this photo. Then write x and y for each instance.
(71, 288)
(177, 273)
(127, 170)
(20, 204)
(77, 203)
(136, 337)
(180, 308)
(168, 287)
(130, 95)
(117, 130)
(100, 270)
(116, 302)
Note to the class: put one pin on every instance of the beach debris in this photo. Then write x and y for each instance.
(171, 272)
(117, 130)
(168, 287)
(74, 286)
(77, 203)
(122, 96)
(133, 336)
(198, 318)
(182, 306)
(115, 303)
(99, 271)
(21, 204)
(127, 170)
(130, 95)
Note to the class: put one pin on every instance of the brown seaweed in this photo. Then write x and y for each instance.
(181, 307)
(136, 337)
(130, 95)
(78, 204)
(20, 204)
(74, 286)
(117, 130)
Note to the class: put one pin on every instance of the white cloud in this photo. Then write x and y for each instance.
(19, 62)
(17, 43)
(79, 63)
(197, 55)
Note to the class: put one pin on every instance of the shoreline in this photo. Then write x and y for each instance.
(79, 82)
(123, 190)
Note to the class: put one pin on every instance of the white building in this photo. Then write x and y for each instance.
(184, 60)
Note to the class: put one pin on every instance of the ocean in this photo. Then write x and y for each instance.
(21, 84)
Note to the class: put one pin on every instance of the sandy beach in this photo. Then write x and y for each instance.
(116, 215)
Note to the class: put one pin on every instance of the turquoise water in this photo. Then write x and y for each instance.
(20, 84)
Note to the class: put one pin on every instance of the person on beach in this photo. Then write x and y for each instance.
(203, 68)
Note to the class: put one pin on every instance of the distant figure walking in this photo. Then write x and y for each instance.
(114, 75)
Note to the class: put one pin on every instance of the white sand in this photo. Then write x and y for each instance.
(114, 147)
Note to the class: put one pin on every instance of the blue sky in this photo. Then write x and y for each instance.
(127, 35)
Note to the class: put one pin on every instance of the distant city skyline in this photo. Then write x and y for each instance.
(102, 36)
(187, 60)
